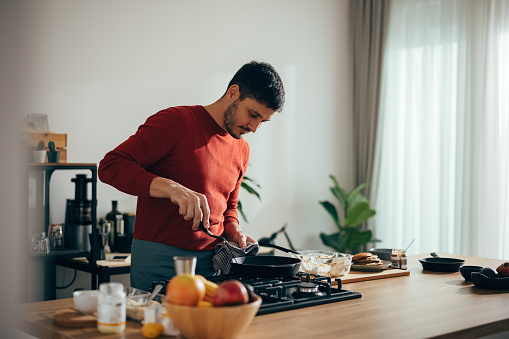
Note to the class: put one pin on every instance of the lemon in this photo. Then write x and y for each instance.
(151, 330)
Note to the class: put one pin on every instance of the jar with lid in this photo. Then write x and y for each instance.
(111, 308)
(404, 260)
(395, 259)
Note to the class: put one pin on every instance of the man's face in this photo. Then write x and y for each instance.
(245, 116)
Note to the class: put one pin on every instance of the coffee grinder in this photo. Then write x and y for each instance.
(78, 218)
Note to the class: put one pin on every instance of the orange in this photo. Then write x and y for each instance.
(185, 289)
(151, 330)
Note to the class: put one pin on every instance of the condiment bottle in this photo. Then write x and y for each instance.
(111, 308)
(395, 259)
(404, 260)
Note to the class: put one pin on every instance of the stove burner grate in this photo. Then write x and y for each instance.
(282, 294)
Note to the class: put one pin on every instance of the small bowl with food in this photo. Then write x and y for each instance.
(324, 263)
(85, 300)
(135, 303)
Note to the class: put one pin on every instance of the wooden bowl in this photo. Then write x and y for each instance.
(213, 322)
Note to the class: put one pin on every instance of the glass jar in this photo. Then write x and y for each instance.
(111, 308)
(395, 259)
(39, 244)
(404, 260)
(56, 236)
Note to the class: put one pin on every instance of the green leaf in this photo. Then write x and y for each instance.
(355, 196)
(239, 208)
(338, 192)
(358, 214)
(333, 240)
(251, 181)
(357, 191)
(332, 211)
(250, 189)
(354, 238)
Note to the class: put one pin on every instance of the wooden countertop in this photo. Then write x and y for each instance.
(422, 305)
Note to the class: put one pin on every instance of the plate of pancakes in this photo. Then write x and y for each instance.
(366, 261)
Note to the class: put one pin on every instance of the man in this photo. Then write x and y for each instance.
(186, 165)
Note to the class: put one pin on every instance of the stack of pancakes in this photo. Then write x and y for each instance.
(366, 258)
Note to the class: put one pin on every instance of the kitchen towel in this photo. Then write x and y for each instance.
(226, 251)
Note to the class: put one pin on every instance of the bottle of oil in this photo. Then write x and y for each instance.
(111, 217)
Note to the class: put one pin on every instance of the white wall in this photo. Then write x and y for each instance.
(98, 69)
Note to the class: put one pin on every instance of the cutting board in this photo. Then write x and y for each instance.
(356, 276)
(71, 317)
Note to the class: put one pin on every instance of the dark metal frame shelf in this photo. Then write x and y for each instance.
(50, 260)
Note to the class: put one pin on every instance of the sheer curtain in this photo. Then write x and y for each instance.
(442, 162)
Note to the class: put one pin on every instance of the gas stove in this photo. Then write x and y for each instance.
(289, 293)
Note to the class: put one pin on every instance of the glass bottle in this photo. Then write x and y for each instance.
(111, 217)
(111, 308)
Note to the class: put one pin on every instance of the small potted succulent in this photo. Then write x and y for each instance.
(53, 154)
(39, 154)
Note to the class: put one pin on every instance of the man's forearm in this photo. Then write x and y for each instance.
(162, 187)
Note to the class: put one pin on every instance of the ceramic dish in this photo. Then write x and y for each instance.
(482, 281)
(466, 271)
(371, 268)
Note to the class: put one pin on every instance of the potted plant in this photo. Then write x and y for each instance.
(356, 210)
(39, 154)
(53, 154)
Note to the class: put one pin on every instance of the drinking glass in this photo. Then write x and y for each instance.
(185, 265)
(39, 244)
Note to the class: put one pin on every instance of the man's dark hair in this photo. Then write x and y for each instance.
(261, 82)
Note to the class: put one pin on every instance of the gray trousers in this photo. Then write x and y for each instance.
(151, 261)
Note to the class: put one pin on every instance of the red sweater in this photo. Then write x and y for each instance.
(184, 144)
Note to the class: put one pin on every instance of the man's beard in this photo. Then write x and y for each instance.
(230, 120)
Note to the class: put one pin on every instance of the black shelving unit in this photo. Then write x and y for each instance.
(55, 257)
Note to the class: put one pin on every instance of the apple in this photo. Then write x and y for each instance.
(503, 270)
(230, 293)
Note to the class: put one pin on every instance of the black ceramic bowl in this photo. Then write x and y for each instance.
(382, 253)
(466, 271)
(441, 264)
(482, 281)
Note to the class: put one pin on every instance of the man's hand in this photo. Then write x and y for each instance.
(192, 205)
(233, 232)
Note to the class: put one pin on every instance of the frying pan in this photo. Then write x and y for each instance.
(263, 266)
(266, 266)
(439, 264)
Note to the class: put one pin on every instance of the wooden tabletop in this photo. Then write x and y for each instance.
(421, 305)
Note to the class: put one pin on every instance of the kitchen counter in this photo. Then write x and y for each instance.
(422, 305)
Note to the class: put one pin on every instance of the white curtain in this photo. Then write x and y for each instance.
(442, 161)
